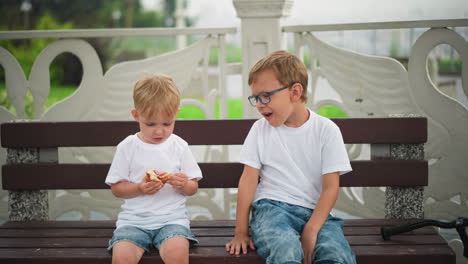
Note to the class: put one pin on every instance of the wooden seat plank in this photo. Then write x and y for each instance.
(404, 254)
(107, 232)
(101, 255)
(205, 241)
(431, 254)
(194, 223)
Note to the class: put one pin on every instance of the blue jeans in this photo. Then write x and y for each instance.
(276, 229)
(148, 239)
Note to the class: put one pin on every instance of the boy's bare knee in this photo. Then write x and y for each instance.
(175, 250)
(126, 252)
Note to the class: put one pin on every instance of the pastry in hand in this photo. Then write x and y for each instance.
(154, 175)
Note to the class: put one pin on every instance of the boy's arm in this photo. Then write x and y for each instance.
(181, 183)
(191, 187)
(125, 189)
(328, 197)
(245, 195)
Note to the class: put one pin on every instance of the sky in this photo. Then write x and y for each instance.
(221, 13)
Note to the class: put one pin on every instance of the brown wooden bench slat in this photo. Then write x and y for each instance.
(431, 254)
(92, 224)
(216, 175)
(198, 132)
(44, 239)
(404, 254)
(198, 255)
(207, 232)
(376, 240)
(102, 242)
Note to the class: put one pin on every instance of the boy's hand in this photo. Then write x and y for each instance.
(149, 187)
(240, 242)
(178, 181)
(308, 241)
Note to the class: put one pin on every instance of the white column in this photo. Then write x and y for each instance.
(180, 23)
(261, 34)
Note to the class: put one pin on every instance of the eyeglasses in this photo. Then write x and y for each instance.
(264, 97)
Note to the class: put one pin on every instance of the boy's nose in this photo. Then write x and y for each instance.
(158, 131)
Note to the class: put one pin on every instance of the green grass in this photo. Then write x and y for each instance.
(331, 111)
(141, 45)
(449, 66)
(233, 54)
(58, 93)
(192, 112)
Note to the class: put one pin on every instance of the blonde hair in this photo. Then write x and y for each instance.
(155, 94)
(287, 68)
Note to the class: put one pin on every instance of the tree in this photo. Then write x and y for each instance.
(169, 13)
(74, 14)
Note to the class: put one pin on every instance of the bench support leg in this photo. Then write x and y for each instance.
(405, 202)
(26, 205)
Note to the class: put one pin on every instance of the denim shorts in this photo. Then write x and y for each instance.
(148, 239)
(276, 229)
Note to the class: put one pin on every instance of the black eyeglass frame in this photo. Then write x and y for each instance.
(253, 99)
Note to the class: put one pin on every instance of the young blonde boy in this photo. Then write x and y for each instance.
(298, 156)
(154, 213)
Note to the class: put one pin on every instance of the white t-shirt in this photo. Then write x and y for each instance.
(132, 158)
(292, 161)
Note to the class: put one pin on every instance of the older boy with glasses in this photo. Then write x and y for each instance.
(298, 156)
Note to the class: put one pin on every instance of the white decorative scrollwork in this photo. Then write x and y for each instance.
(107, 97)
(16, 86)
(380, 87)
(15, 81)
(447, 146)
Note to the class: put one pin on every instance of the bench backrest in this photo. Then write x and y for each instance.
(48, 136)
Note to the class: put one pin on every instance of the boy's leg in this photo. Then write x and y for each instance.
(275, 232)
(175, 250)
(126, 252)
(332, 246)
(173, 242)
(128, 244)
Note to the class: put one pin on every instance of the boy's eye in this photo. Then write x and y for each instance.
(264, 96)
(167, 124)
(149, 124)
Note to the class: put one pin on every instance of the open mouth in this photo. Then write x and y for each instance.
(267, 115)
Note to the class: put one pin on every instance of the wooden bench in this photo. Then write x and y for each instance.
(86, 241)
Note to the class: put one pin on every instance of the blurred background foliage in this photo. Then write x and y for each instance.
(66, 70)
(64, 14)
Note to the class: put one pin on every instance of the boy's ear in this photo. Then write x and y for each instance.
(297, 91)
(134, 114)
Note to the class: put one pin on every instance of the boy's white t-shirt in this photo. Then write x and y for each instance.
(132, 158)
(292, 161)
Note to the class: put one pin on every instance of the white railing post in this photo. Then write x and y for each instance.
(180, 23)
(261, 34)
(222, 93)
